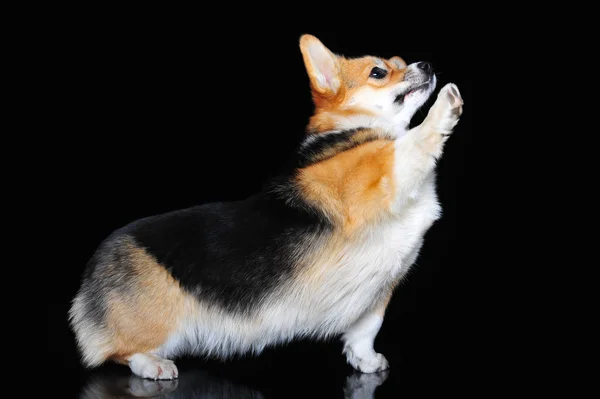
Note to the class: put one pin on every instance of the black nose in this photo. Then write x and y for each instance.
(425, 66)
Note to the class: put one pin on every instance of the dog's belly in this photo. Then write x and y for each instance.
(300, 309)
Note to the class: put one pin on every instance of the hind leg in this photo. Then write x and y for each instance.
(150, 366)
(142, 309)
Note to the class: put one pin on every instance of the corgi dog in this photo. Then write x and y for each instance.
(316, 254)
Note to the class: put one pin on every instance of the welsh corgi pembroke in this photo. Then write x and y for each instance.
(316, 254)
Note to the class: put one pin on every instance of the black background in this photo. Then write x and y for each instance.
(161, 122)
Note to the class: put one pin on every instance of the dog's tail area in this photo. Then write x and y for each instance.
(93, 338)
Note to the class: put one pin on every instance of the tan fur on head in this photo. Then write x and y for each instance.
(335, 80)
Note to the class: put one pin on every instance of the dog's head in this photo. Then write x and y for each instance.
(363, 92)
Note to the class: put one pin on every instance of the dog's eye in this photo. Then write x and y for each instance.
(378, 73)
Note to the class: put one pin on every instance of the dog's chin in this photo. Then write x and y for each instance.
(410, 100)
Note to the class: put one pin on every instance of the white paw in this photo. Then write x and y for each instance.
(447, 109)
(370, 362)
(143, 388)
(152, 367)
(453, 94)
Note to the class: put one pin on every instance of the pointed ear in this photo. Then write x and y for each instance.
(321, 65)
(398, 62)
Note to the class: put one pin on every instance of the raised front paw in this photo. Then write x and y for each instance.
(447, 109)
(454, 97)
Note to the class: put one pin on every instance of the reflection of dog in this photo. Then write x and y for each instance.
(316, 254)
(192, 384)
(197, 384)
(362, 386)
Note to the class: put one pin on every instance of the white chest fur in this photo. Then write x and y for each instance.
(365, 271)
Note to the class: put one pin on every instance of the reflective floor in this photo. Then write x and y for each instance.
(422, 352)
(201, 384)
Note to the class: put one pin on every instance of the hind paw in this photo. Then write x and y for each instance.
(152, 367)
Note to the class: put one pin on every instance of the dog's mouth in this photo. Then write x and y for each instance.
(418, 88)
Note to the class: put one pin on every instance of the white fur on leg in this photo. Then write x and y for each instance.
(358, 344)
(418, 150)
(152, 367)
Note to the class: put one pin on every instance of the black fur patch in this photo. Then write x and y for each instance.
(326, 145)
(107, 271)
(232, 253)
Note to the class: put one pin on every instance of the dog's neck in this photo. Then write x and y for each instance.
(335, 121)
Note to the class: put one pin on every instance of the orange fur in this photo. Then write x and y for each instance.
(355, 187)
(142, 320)
(353, 75)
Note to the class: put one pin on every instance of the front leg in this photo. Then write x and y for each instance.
(418, 150)
(441, 119)
(359, 339)
(360, 336)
